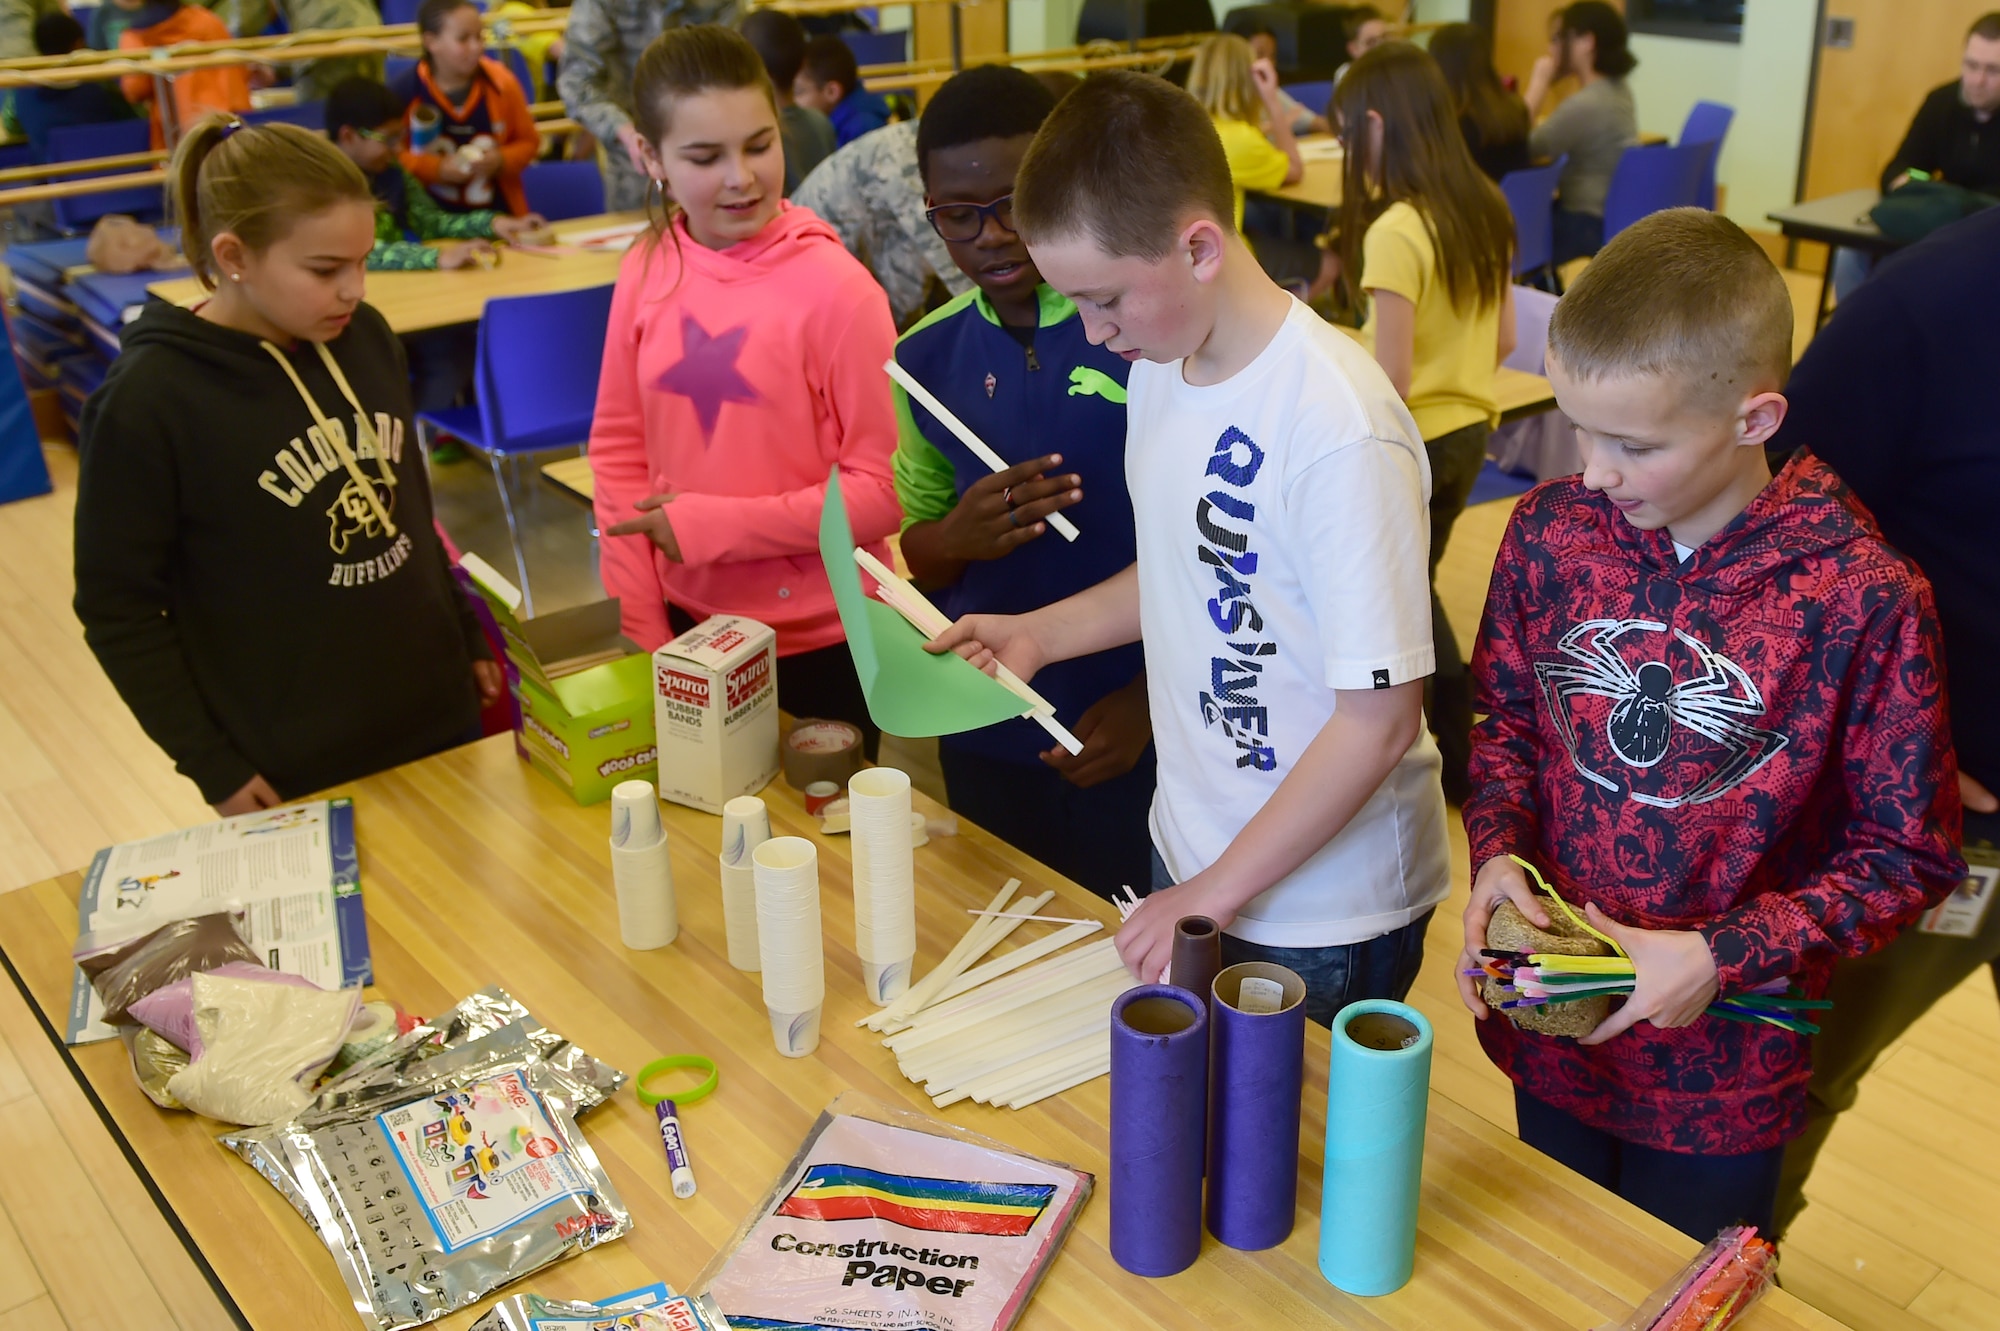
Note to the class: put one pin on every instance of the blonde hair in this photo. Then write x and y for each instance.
(1686, 293)
(1220, 79)
(255, 181)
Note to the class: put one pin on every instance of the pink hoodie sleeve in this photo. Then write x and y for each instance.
(724, 528)
(618, 467)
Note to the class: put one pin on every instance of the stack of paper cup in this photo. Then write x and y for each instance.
(788, 941)
(885, 902)
(641, 871)
(746, 825)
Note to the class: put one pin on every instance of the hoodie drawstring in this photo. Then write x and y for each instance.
(336, 437)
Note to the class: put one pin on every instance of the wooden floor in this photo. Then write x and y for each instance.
(1903, 1231)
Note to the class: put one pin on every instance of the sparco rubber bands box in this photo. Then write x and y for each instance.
(585, 718)
(715, 711)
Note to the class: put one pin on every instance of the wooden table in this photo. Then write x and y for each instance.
(476, 871)
(1319, 187)
(413, 302)
(1839, 221)
(573, 477)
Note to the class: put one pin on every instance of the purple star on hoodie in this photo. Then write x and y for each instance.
(706, 374)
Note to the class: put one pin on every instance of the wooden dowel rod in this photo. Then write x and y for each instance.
(1018, 958)
(70, 189)
(955, 961)
(80, 166)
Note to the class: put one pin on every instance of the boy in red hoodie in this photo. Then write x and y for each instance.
(1715, 713)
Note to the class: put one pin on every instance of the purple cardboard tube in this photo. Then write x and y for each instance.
(1257, 1072)
(1159, 1099)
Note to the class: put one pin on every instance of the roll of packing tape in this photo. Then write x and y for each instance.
(818, 750)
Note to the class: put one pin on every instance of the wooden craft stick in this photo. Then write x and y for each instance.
(1018, 958)
(1053, 990)
(954, 962)
(972, 441)
(928, 620)
(985, 1030)
(1038, 919)
(1057, 1085)
(1095, 958)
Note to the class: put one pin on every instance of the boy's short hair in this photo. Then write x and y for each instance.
(1685, 293)
(1986, 27)
(360, 103)
(830, 60)
(780, 41)
(57, 33)
(1124, 160)
(984, 102)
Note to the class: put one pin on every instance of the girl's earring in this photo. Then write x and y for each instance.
(236, 277)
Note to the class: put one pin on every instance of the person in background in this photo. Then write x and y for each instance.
(1239, 93)
(600, 46)
(256, 565)
(1264, 46)
(313, 79)
(743, 359)
(872, 194)
(197, 92)
(1953, 138)
(52, 106)
(1715, 721)
(1430, 241)
(17, 25)
(1366, 30)
(1493, 120)
(807, 134)
(1894, 394)
(485, 135)
(105, 22)
(830, 82)
(1594, 125)
(1012, 360)
(542, 50)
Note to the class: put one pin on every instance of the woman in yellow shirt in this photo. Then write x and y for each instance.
(1428, 237)
(1239, 93)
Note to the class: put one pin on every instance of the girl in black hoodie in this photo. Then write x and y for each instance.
(256, 568)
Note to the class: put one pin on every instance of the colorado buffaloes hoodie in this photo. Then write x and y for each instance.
(266, 599)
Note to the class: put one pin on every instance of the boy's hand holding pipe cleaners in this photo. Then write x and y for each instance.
(1667, 976)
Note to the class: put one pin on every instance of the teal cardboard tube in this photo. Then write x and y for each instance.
(1378, 1087)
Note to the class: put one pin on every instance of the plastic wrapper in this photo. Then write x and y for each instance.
(170, 1008)
(1712, 1291)
(124, 973)
(430, 1205)
(485, 1034)
(890, 1220)
(155, 1060)
(654, 1309)
(261, 1045)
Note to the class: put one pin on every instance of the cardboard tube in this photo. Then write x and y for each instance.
(1257, 1069)
(1378, 1083)
(1159, 1092)
(1197, 956)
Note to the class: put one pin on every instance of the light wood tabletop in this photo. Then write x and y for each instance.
(413, 302)
(1319, 187)
(573, 477)
(477, 871)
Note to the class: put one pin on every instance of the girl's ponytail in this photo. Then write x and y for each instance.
(254, 181)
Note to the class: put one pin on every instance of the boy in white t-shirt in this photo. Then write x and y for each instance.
(1281, 589)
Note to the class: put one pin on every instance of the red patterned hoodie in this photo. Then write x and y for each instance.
(1753, 744)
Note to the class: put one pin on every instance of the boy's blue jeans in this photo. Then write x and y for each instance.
(1383, 967)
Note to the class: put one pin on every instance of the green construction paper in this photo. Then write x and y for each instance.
(910, 692)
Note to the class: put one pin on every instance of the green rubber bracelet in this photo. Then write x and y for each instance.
(699, 1091)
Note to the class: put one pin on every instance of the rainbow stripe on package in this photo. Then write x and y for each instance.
(945, 1206)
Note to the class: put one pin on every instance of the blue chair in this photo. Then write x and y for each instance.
(1314, 97)
(73, 143)
(562, 190)
(1708, 122)
(535, 385)
(878, 48)
(400, 11)
(306, 115)
(1531, 197)
(517, 65)
(16, 154)
(1653, 178)
(395, 66)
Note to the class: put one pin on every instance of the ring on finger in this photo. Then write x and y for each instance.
(1007, 496)
(1013, 517)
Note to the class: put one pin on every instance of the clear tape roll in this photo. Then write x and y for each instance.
(644, 880)
(816, 750)
(790, 947)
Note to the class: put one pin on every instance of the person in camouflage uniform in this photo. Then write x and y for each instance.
(601, 48)
(872, 194)
(314, 79)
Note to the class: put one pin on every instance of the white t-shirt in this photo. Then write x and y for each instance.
(1283, 553)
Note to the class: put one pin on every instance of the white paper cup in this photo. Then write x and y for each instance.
(790, 950)
(887, 981)
(746, 824)
(795, 1033)
(739, 914)
(635, 814)
(644, 880)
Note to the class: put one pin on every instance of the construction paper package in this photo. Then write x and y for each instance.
(889, 1220)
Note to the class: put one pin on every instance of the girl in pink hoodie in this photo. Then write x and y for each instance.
(744, 359)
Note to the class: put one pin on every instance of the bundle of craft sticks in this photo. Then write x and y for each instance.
(1013, 1030)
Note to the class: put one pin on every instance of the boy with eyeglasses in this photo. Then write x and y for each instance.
(1012, 360)
(365, 121)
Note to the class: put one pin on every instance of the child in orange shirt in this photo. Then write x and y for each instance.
(197, 92)
(485, 135)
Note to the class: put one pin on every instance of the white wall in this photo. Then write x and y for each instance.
(1764, 78)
